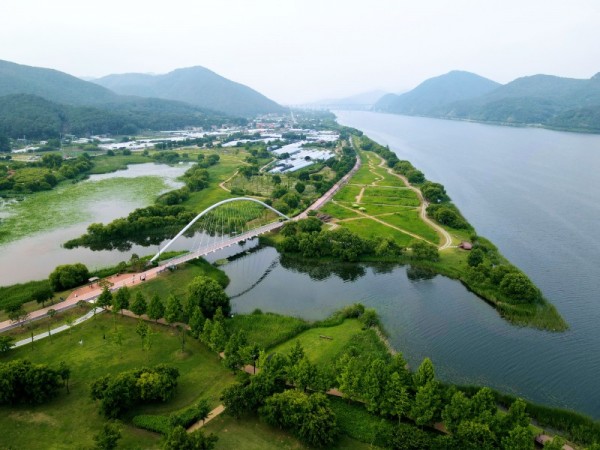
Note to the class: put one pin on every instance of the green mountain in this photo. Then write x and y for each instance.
(42, 103)
(196, 85)
(544, 100)
(436, 92)
(540, 100)
(52, 85)
(38, 118)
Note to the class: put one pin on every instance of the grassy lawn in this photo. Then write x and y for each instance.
(71, 420)
(250, 433)
(411, 221)
(176, 282)
(267, 329)
(323, 351)
(337, 211)
(348, 194)
(368, 228)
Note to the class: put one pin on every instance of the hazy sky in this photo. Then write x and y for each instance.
(300, 51)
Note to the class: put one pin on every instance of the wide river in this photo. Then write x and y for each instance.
(536, 194)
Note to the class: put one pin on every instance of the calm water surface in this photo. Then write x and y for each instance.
(34, 257)
(536, 194)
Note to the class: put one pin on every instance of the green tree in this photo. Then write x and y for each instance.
(555, 444)
(68, 276)
(65, 373)
(519, 438)
(300, 187)
(396, 399)
(519, 288)
(6, 343)
(425, 373)
(472, 435)
(173, 311)
(456, 411)
(206, 332)
(218, 337)
(50, 313)
(105, 298)
(296, 353)
(156, 309)
(427, 404)
(197, 322)
(424, 251)
(350, 377)
(142, 329)
(108, 437)
(374, 385)
(208, 295)
(310, 418)
(233, 357)
(18, 315)
(121, 299)
(304, 374)
(516, 417)
(180, 439)
(139, 305)
(476, 257)
(42, 295)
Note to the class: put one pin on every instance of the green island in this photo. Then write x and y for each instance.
(155, 368)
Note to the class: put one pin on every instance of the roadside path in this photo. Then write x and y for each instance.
(447, 239)
(211, 415)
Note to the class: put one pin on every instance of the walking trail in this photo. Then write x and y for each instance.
(447, 239)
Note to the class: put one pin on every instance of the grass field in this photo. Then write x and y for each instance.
(374, 191)
(250, 433)
(71, 420)
(323, 351)
(176, 282)
(370, 229)
(267, 329)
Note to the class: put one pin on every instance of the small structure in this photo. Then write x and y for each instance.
(465, 245)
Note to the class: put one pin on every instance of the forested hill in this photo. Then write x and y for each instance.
(433, 93)
(52, 85)
(43, 103)
(541, 100)
(38, 118)
(196, 85)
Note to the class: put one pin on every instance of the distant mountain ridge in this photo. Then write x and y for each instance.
(196, 85)
(51, 84)
(363, 100)
(540, 100)
(427, 97)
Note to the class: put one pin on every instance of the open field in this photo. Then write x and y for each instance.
(92, 350)
(267, 329)
(249, 433)
(321, 350)
(368, 228)
(176, 282)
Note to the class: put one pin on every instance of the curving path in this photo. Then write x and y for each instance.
(447, 239)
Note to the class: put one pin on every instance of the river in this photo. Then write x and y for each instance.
(536, 194)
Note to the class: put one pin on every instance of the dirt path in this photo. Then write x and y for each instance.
(447, 239)
(367, 216)
(360, 195)
(211, 415)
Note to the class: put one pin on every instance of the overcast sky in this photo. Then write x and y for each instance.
(305, 50)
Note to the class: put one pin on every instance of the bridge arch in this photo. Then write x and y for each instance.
(210, 208)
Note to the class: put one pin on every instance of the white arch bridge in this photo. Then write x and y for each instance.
(224, 224)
